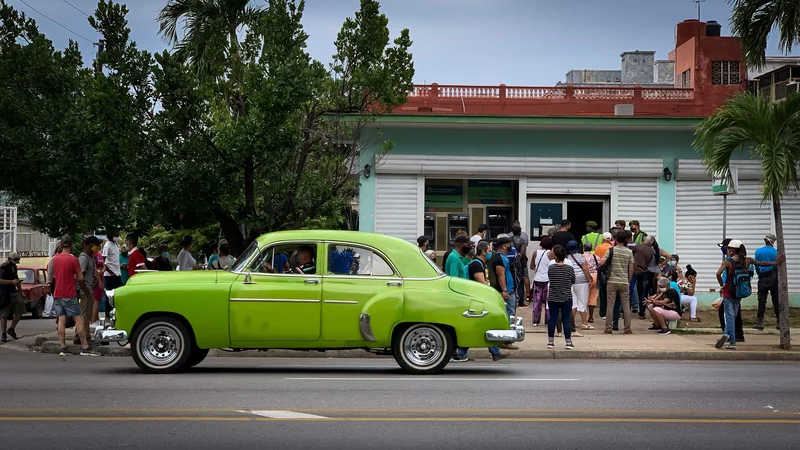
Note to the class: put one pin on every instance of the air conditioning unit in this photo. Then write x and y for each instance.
(623, 110)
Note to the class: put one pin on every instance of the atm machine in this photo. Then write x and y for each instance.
(456, 222)
(430, 230)
(499, 220)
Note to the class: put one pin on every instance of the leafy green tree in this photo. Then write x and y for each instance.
(753, 20)
(768, 131)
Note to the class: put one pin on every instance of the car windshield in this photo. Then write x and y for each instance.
(241, 262)
(27, 276)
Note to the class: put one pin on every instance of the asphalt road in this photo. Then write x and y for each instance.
(82, 402)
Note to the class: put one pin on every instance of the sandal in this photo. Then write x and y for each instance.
(587, 327)
(576, 334)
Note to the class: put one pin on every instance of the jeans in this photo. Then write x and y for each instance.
(633, 295)
(642, 281)
(602, 300)
(738, 324)
(462, 351)
(732, 308)
(511, 304)
(563, 309)
(768, 285)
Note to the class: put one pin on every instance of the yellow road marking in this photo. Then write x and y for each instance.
(405, 419)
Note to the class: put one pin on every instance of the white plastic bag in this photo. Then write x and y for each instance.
(716, 303)
(48, 306)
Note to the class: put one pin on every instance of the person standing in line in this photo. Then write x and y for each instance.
(422, 243)
(225, 259)
(64, 275)
(112, 276)
(638, 234)
(767, 280)
(580, 287)
(162, 260)
(88, 263)
(522, 281)
(592, 236)
(185, 259)
(600, 253)
(98, 291)
(559, 297)
(123, 263)
(643, 254)
(431, 255)
(503, 274)
(447, 253)
(478, 270)
(11, 286)
(137, 260)
(621, 259)
(480, 235)
(540, 262)
(563, 235)
(591, 261)
(456, 266)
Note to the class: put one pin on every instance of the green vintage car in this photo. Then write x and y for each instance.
(309, 290)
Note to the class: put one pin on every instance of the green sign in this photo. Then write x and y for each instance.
(444, 197)
(490, 192)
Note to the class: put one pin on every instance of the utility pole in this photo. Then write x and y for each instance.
(698, 7)
(98, 66)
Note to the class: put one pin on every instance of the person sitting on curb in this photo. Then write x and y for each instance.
(664, 306)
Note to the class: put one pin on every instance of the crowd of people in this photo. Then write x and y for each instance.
(620, 273)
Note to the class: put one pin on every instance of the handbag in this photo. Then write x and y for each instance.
(604, 271)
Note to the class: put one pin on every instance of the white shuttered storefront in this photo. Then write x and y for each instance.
(398, 205)
(638, 200)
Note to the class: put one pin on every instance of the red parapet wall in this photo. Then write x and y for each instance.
(552, 101)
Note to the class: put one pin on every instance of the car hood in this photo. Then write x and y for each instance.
(173, 277)
(475, 290)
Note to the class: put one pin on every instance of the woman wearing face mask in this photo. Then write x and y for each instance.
(123, 263)
(162, 260)
(185, 259)
(686, 285)
(664, 306)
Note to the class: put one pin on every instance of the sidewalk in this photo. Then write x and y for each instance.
(643, 344)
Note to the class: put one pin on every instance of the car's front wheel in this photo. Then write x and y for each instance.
(161, 345)
(422, 348)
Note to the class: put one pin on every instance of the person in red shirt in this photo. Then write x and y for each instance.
(136, 258)
(65, 274)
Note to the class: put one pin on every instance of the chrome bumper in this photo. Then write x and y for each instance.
(516, 333)
(110, 335)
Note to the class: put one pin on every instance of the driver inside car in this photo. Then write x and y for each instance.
(305, 261)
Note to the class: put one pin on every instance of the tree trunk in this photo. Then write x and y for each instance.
(249, 187)
(783, 280)
(230, 229)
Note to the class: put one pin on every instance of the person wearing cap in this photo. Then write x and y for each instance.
(600, 253)
(65, 275)
(456, 266)
(591, 236)
(225, 259)
(767, 279)
(638, 234)
(504, 278)
(14, 304)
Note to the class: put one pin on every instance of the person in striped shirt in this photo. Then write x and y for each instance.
(559, 297)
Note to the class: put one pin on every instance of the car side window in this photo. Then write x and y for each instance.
(298, 259)
(42, 277)
(355, 260)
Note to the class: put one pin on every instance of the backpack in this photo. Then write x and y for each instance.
(604, 271)
(740, 282)
(518, 264)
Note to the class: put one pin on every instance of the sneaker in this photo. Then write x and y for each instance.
(12, 333)
(664, 331)
(570, 346)
(731, 347)
(551, 345)
(509, 347)
(721, 341)
(64, 351)
(89, 352)
(602, 318)
(458, 359)
(499, 357)
(4, 338)
(536, 324)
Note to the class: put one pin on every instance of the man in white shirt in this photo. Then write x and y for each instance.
(110, 253)
(480, 235)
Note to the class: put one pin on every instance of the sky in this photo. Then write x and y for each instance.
(474, 42)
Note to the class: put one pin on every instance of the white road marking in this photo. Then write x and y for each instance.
(283, 414)
(413, 378)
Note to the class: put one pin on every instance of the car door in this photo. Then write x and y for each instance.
(359, 279)
(43, 282)
(268, 305)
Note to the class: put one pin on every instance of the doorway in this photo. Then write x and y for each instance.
(548, 212)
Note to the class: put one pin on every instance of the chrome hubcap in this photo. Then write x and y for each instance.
(161, 344)
(423, 346)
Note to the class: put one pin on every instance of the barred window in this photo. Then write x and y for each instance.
(686, 78)
(725, 72)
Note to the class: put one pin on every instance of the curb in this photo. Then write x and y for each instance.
(716, 355)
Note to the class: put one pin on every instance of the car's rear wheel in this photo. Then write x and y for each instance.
(161, 345)
(197, 356)
(422, 348)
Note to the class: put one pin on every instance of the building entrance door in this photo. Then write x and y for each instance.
(547, 213)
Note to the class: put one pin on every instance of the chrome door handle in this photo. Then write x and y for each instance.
(394, 283)
(312, 281)
(472, 314)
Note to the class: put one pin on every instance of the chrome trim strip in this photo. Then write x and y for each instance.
(365, 327)
(361, 277)
(292, 275)
(425, 279)
(474, 315)
(272, 300)
(342, 302)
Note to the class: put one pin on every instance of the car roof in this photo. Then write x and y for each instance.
(404, 255)
(30, 268)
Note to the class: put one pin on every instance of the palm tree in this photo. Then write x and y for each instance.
(753, 20)
(767, 131)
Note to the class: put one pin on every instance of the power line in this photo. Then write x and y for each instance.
(76, 8)
(55, 22)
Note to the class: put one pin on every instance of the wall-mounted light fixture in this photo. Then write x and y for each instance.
(367, 171)
(667, 174)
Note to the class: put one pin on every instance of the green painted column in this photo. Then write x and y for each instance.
(366, 194)
(666, 209)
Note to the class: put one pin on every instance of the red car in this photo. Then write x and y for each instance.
(34, 288)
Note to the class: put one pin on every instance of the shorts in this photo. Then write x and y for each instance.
(15, 308)
(66, 307)
(667, 313)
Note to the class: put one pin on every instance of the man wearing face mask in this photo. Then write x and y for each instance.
(162, 260)
(519, 239)
(112, 275)
(123, 263)
(638, 234)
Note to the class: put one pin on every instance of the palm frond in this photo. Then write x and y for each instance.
(753, 20)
